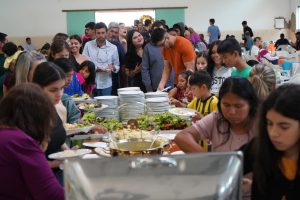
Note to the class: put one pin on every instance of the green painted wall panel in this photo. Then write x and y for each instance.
(77, 19)
(171, 15)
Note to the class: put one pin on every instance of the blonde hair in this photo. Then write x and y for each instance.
(263, 80)
(24, 64)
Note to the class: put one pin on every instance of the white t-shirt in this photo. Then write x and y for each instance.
(254, 51)
(219, 76)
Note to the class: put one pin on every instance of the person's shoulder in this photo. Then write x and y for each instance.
(91, 42)
(214, 98)
(211, 117)
(192, 104)
(16, 137)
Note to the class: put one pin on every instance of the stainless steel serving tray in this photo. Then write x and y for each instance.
(216, 176)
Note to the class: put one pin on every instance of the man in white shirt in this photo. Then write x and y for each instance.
(28, 46)
(256, 47)
(105, 57)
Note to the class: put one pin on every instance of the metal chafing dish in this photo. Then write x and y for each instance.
(194, 176)
(135, 147)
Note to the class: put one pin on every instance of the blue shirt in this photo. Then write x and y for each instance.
(74, 87)
(102, 57)
(214, 33)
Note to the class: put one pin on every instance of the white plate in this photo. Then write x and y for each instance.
(130, 92)
(64, 154)
(79, 130)
(103, 106)
(156, 93)
(103, 152)
(177, 153)
(157, 99)
(90, 156)
(106, 97)
(185, 112)
(129, 89)
(170, 136)
(95, 144)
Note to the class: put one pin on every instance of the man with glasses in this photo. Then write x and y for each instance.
(178, 54)
(106, 59)
(3, 40)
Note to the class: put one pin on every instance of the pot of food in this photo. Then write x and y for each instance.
(136, 147)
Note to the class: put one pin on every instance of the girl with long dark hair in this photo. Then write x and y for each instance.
(229, 128)
(133, 59)
(274, 156)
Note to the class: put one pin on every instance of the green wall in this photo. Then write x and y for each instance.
(76, 21)
(171, 15)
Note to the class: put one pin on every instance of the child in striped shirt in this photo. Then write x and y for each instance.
(204, 101)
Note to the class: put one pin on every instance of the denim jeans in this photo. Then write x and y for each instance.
(102, 92)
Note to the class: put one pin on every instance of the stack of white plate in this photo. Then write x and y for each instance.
(128, 89)
(156, 94)
(157, 105)
(112, 110)
(132, 104)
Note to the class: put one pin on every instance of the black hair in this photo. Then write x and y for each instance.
(157, 35)
(90, 25)
(60, 36)
(229, 45)
(46, 46)
(147, 22)
(2, 37)
(28, 38)
(252, 62)
(10, 48)
(298, 33)
(242, 88)
(157, 24)
(21, 48)
(256, 38)
(186, 74)
(47, 73)
(212, 20)
(282, 35)
(284, 100)
(171, 29)
(244, 23)
(76, 37)
(65, 64)
(180, 26)
(201, 77)
(210, 62)
(101, 25)
(17, 111)
(131, 50)
(163, 21)
(92, 69)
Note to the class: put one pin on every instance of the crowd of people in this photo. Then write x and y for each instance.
(236, 101)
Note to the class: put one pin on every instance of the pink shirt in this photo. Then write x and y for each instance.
(207, 129)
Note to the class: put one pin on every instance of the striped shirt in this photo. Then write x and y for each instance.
(206, 106)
